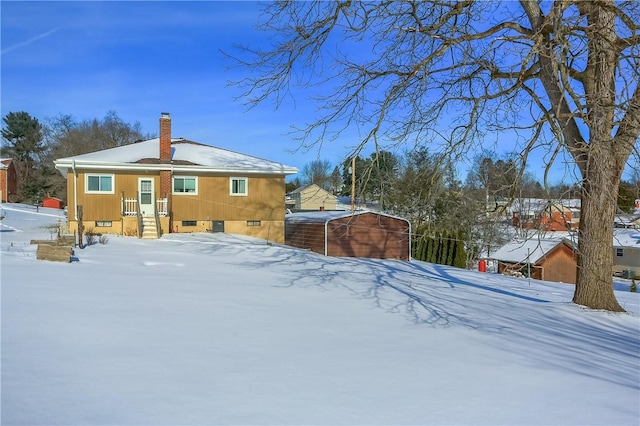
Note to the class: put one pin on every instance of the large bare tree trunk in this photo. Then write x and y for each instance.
(599, 163)
(594, 287)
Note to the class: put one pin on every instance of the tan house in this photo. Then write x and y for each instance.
(170, 184)
(311, 197)
(543, 259)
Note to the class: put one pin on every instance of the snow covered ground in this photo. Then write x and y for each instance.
(220, 329)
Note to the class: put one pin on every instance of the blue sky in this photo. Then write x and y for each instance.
(140, 59)
(143, 58)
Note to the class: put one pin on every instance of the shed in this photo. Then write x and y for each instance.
(547, 259)
(350, 234)
(52, 202)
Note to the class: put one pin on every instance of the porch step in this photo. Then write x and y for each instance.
(149, 230)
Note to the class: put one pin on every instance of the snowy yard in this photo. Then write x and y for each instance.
(204, 329)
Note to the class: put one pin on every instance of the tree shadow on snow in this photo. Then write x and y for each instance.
(546, 334)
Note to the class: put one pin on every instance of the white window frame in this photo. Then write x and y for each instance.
(173, 185)
(619, 252)
(246, 187)
(99, 175)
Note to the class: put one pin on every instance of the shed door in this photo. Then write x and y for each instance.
(145, 196)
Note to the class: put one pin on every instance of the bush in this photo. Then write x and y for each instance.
(91, 237)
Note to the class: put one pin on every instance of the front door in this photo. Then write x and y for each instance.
(145, 196)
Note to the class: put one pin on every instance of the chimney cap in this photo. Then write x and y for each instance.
(164, 114)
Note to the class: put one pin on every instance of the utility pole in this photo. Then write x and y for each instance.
(353, 183)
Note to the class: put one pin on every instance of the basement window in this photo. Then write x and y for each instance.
(189, 223)
(253, 223)
(620, 252)
(103, 223)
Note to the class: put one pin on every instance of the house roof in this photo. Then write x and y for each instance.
(304, 188)
(626, 238)
(186, 156)
(327, 216)
(626, 219)
(535, 205)
(527, 251)
(536, 249)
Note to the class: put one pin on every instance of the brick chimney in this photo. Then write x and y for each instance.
(165, 157)
(165, 137)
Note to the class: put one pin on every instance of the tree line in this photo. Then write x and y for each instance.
(454, 220)
(34, 145)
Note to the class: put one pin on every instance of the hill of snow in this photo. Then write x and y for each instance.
(204, 329)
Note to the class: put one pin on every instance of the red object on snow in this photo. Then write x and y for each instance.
(482, 266)
(54, 203)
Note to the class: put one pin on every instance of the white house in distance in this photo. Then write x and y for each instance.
(626, 252)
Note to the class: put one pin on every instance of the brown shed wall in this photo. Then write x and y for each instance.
(367, 235)
(309, 236)
(560, 265)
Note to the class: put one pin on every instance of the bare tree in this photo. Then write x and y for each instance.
(318, 172)
(561, 74)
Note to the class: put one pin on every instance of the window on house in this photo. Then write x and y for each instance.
(103, 223)
(99, 184)
(239, 186)
(185, 185)
(253, 223)
(619, 252)
(189, 223)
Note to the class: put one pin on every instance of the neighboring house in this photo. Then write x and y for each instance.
(546, 215)
(311, 197)
(8, 179)
(350, 234)
(626, 252)
(175, 185)
(545, 259)
(629, 221)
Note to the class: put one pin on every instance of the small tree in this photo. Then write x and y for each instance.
(23, 139)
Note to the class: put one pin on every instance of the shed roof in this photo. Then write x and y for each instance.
(527, 251)
(327, 216)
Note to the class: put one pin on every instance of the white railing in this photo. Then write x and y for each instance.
(162, 206)
(130, 207)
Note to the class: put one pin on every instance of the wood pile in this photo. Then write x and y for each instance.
(54, 253)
